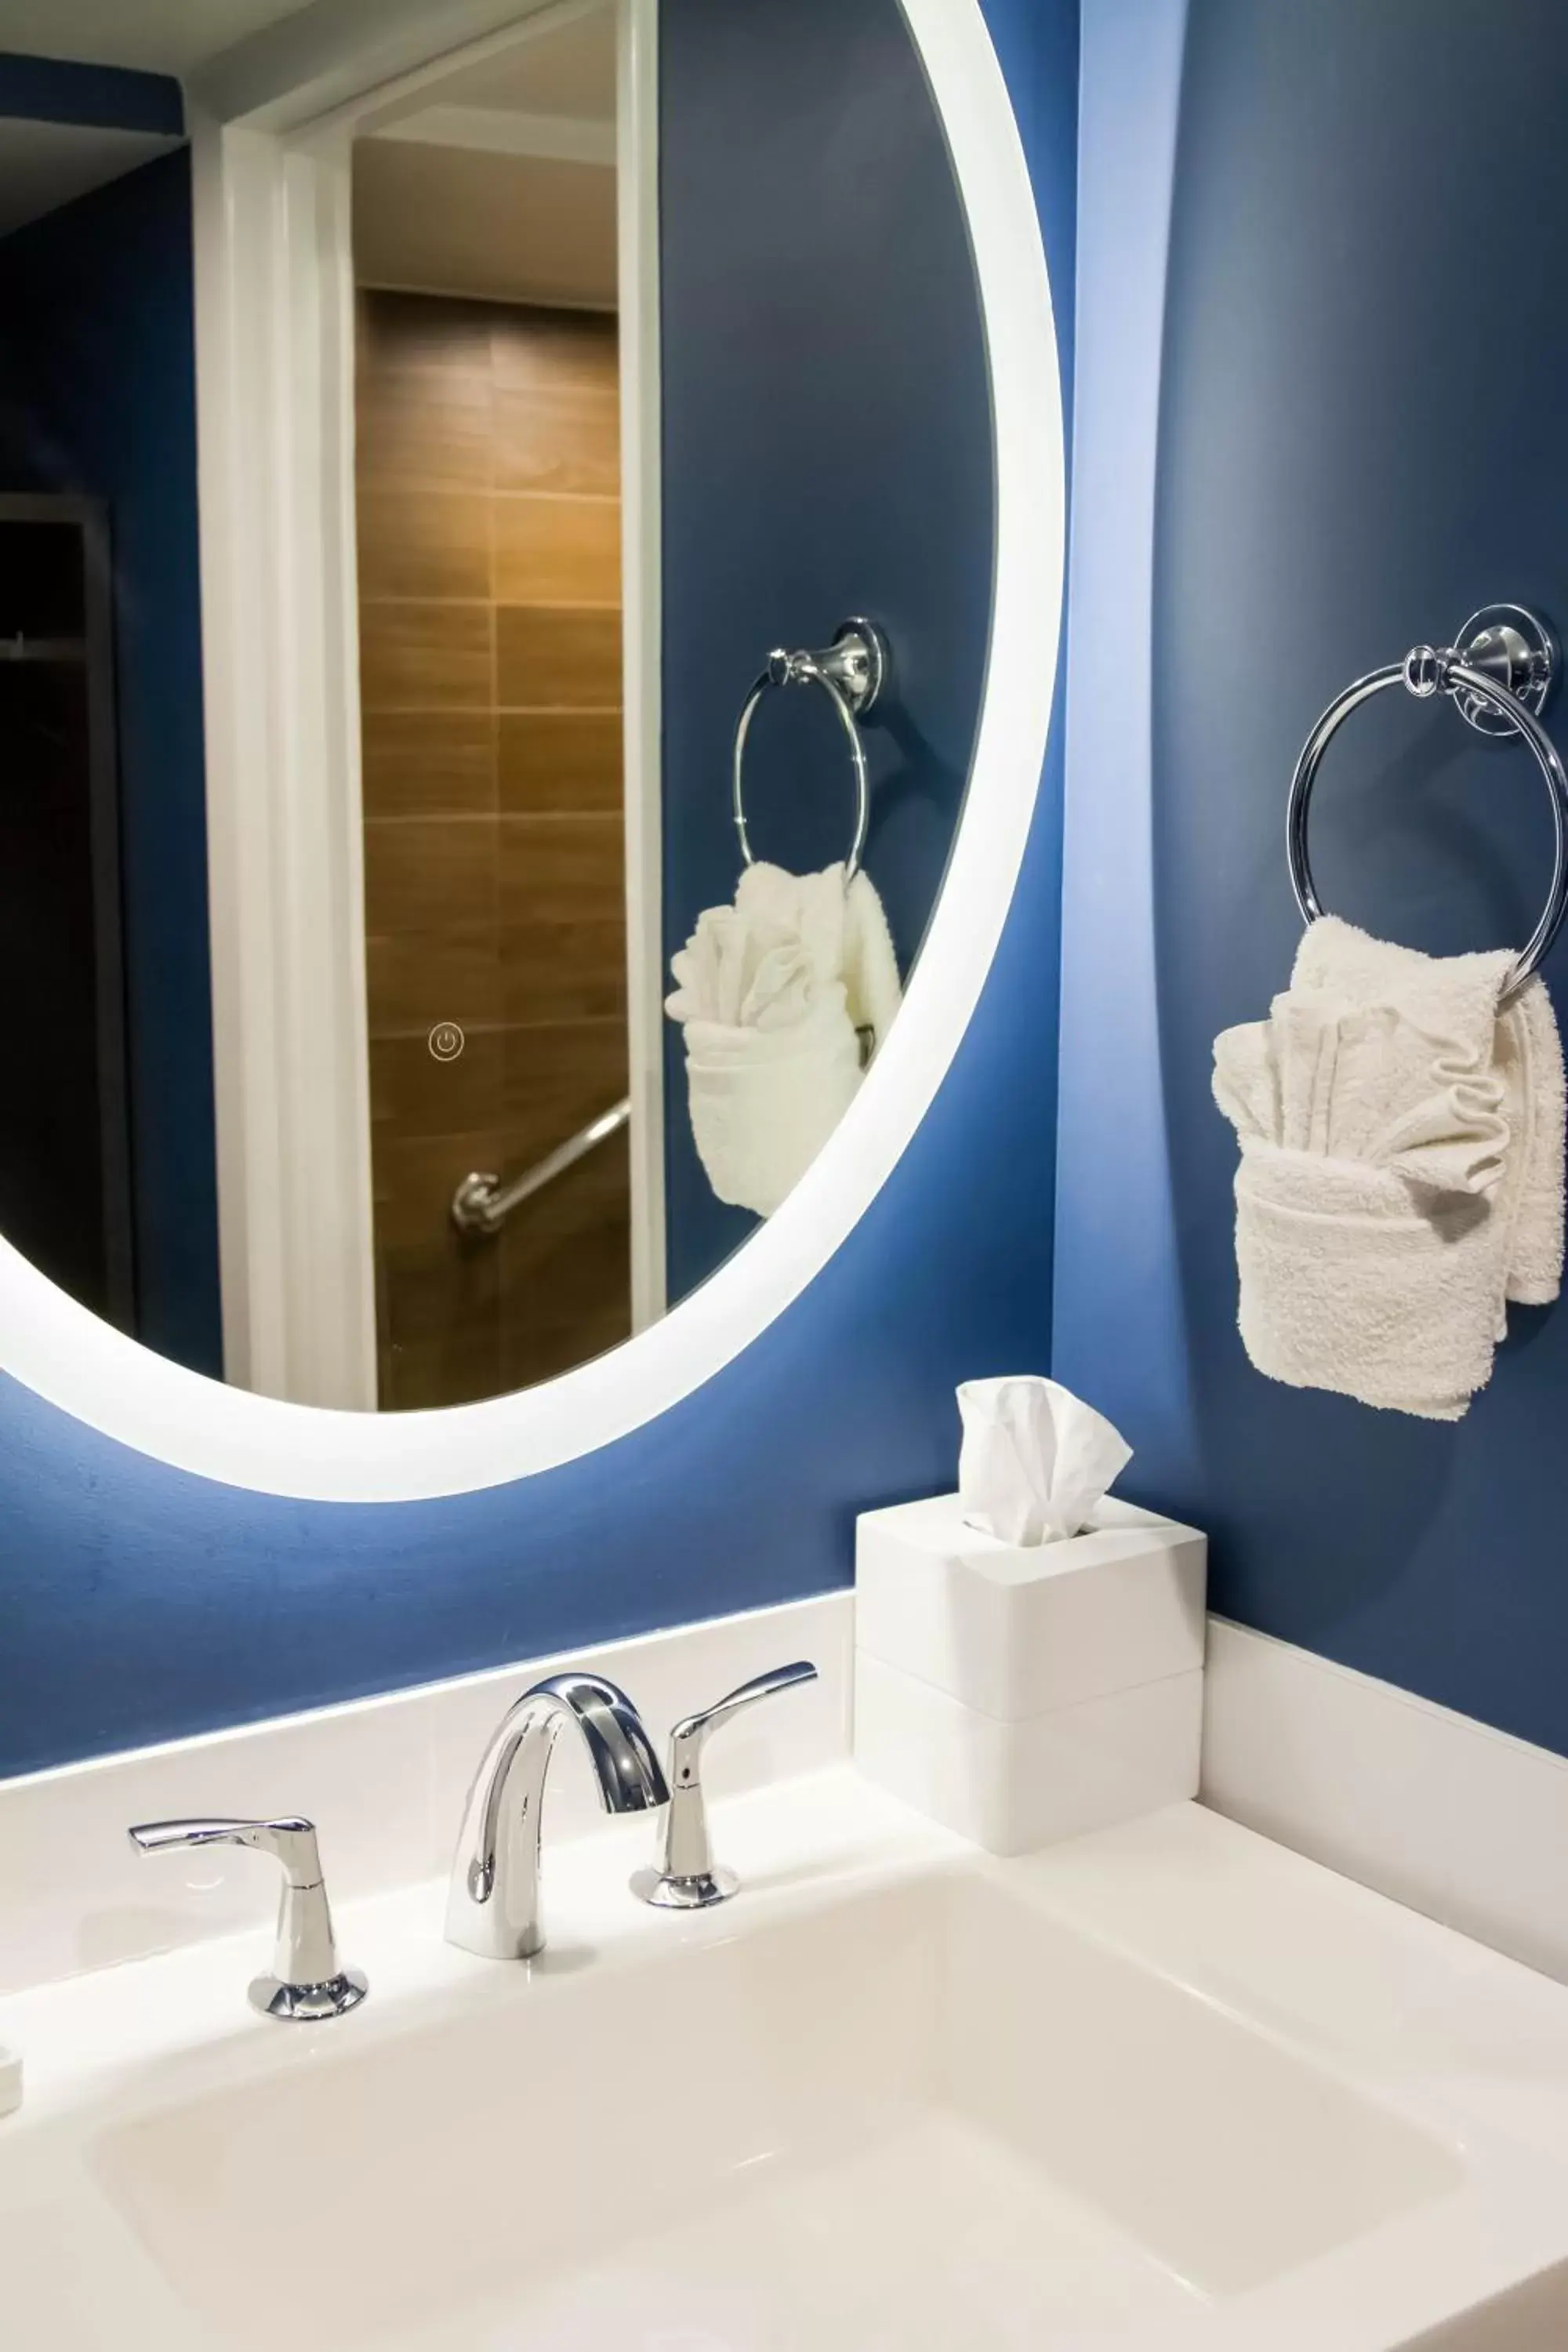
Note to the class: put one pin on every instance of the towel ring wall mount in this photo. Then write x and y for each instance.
(852, 671)
(1497, 676)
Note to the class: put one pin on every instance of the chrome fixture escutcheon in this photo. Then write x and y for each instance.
(307, 1983)
(687, 1877)
(1514, 647)
(857, 662)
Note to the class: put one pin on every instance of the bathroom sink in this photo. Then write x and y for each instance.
(929, 2087)
(909, 2101)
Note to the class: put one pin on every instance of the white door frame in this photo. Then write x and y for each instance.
(275, 363)
(642, 622)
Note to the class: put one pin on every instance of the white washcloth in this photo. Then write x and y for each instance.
(1401, 1170)
(785, 997)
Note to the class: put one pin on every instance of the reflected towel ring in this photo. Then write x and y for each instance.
(1498, 678)
(852, 671)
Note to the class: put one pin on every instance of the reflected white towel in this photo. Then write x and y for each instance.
(776, 994)
(1401, 1170)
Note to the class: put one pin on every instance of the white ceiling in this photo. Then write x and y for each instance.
(499, 228)
(448, 201)
(173, 37)
(498, 181)
(569, 71)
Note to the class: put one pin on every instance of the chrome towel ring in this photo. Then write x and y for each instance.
(1498, 677)
(852, 672)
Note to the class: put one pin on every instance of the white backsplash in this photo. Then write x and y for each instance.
(383, 1778)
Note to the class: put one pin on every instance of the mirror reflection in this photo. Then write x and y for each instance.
(669, 543)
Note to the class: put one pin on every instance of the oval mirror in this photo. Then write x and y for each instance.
(464, 868)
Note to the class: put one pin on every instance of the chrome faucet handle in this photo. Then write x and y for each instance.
(307, 1980)
(688, 1878)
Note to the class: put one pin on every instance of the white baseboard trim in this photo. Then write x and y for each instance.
(383, 1778)
(1431, 1808)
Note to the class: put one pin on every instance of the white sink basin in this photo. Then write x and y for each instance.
(909, 2101)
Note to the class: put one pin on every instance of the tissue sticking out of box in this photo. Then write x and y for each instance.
(1034, 1460)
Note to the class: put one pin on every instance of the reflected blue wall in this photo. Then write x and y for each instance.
(98, 395)
(138, 1603)
(104, 98)
(827, 453)
(1356, 445)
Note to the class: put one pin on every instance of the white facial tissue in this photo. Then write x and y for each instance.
(1034, 1460)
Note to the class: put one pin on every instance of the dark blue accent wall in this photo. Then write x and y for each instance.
(102, 98)
(827, 451)
(1358, 443)
(98, 395)
(138, 1603)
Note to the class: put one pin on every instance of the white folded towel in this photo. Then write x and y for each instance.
(785, 997)
(1401, 1170)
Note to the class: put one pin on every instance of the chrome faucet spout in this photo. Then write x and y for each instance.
(492, 1905)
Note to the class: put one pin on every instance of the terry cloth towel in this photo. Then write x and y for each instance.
(1401, 1170)
(785, 997)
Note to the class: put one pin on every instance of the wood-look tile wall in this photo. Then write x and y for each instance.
(490, 684)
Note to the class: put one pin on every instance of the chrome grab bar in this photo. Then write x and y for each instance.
(483, 1203)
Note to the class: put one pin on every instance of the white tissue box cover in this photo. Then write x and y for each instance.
(1015, 1787)
(1020, 1695)
(1016, 1630)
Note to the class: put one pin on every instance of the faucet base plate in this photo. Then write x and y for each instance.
(294, 2004)
(667, 1892)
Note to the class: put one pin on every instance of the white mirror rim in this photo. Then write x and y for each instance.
(66, 1355)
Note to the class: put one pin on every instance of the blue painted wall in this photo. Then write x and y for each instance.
(1356, 447)
(138, 1603)
(1120, 1335)
(826, 454)
(98, 395)
(104, 98)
